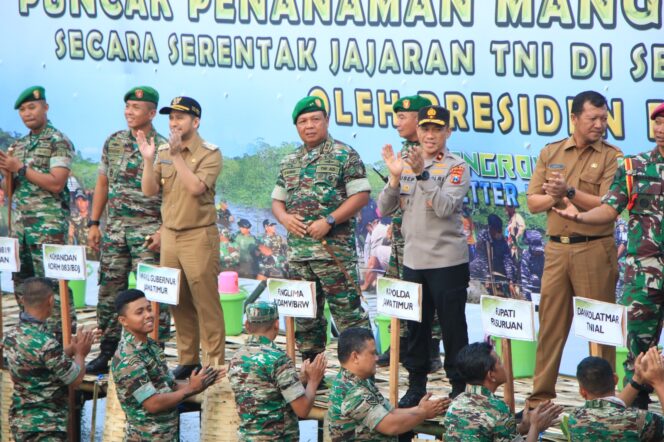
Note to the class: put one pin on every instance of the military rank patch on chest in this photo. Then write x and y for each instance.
(455, 174)
(327, 168)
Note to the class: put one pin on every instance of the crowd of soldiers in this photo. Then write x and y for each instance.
(159, 195)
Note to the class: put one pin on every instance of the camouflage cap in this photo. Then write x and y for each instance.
(33, 93)
(412, 103)
(308, 104)
(262, 311)
(142, 93)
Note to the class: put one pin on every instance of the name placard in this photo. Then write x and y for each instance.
(508, 318)
(296, 299)
(399, 299)
(9, 260)
(600, 322)
(160, 284)
(64, 262)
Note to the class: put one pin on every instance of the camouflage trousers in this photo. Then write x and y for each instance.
(45, 436)
(32, 264)
(645, 311)
(343, 299)
(395, 270)
(121, 250)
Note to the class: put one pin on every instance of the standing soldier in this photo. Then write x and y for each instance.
(320, 188)
(406, 110)
(272, 249)
(41, 369)
(580, 260)
(131, 233)
(78, 225)
(269, 392)
(185, 171)
(224, 216)
(637, 187)
(532, 264)
(39, 167)
(246, 243)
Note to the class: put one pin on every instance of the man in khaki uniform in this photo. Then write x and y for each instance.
(186, 170)
(580, 260)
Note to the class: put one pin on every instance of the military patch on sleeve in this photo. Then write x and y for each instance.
(370, 399)
(455, 174)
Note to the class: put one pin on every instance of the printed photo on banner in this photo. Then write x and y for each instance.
(399, 299)
(600, 322)
(160, 284)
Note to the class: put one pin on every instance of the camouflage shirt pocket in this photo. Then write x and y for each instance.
(648, 196)
(41, 159)
(291, 177)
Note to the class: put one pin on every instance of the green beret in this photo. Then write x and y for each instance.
(308, 104)
(33, 93)
(142, 93)
(411, 104)
(262, 311)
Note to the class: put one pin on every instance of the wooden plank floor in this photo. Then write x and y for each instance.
(567, 387)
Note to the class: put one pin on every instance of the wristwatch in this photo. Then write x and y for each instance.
(330, 220)
(93, 223)
(641, 387)
(571, 192)
(21, 172)
(423, 176)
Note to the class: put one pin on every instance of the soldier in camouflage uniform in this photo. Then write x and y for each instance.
(320, 188)
(224, 216)
(358, 411)
(478, 414)
(78, 226)
(637, 187)
(146, 389)
(272, 253)
(247, 245)
(605, 417)
(41, 369)
(620, 235)
(532, 264)
(502, 264)
(40, 167)
(228, 251)
(269, 393)
(406, 109)
(132, 218)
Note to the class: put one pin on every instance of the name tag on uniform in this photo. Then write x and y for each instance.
(165, 162)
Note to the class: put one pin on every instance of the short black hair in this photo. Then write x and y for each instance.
(495, 222)
(595, 375)
(125, 297)
(36, 290)
(592, 97)
(474, 361)
(351, 340)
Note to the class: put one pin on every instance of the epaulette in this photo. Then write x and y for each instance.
(209, 146)
(562, 140)
(164, 146)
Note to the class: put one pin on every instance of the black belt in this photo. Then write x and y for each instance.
(575, 239)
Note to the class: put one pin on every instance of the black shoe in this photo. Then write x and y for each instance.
(435, 363)
(412, 397)
(184, 371)
(99, 365)
(384, 359)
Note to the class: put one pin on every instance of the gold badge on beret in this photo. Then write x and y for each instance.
(318, 103)
(139, 93)
(406, 104)
(36, 94)
(431, 113)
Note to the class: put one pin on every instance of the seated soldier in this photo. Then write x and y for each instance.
(478, 414)
(146, 389)
(606, 417)
(41, 368)
(358, 411)
(269, 394)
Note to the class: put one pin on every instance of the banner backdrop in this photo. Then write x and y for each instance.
(506, 69)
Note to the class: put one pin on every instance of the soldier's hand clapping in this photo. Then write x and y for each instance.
(653, 373)
(315, 370)
(203, 378)
(542, 416)
(433, 408)
(81, 343)
(145, 146)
